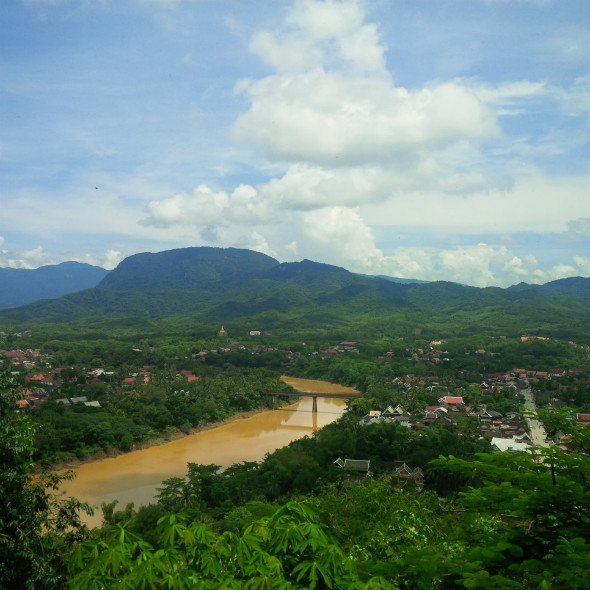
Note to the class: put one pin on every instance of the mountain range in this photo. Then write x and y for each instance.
(207, 286)
(19, 286)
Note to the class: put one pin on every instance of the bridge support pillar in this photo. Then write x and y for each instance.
(314, 405)
(274, 401)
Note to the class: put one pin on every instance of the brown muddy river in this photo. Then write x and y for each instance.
(134, 477)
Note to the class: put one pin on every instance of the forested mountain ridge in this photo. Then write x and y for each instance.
(187, 268)
(217, 285)
(19, 286)
(574, 286)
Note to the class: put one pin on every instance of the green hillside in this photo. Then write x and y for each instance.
(187, 268)
(208, 286)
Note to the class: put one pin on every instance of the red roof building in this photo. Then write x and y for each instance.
(449, 400)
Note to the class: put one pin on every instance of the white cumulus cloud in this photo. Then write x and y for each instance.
(200, 207)
(28, 259)
(341, 235)
(331, 99)
(330, 118)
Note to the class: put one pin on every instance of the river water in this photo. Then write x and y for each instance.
(135, 477)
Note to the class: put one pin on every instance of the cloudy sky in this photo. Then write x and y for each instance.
(428, 139)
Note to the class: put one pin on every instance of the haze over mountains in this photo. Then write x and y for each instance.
(19, 286)
(249, 288)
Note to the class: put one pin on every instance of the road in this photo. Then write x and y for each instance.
(537, 431)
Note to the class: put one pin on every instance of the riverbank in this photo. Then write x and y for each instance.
(162, 439)
(297, 383)
(136, 476)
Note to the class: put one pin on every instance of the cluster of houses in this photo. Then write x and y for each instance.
(516, 378)
(511, 426)
(519, 377)
(41, 381)
(342, 348)
(30, 360)
(432, 354)
(142, 377)
(27, 358)
(78, 400)
(411, 380)
(35, 392)
(356, 470)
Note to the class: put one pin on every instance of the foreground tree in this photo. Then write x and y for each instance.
(37, 530)
(544, 499)
(291, 549)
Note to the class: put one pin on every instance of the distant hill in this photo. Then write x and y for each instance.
(187, 268)
(402, 281)
(573, 286)
(218, 284)
(19, 286)
(195, 287)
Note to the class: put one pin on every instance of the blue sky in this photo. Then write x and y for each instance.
(431, 139)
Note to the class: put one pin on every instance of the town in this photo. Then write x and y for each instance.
(498, 407)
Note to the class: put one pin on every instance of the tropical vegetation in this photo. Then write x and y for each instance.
(109, 368)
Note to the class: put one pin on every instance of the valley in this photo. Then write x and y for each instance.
(471, 424)
(136, 476)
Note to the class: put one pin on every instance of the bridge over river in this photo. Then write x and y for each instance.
(350, 394)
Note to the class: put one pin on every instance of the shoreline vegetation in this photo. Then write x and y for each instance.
(164, 438)
(297, 383)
